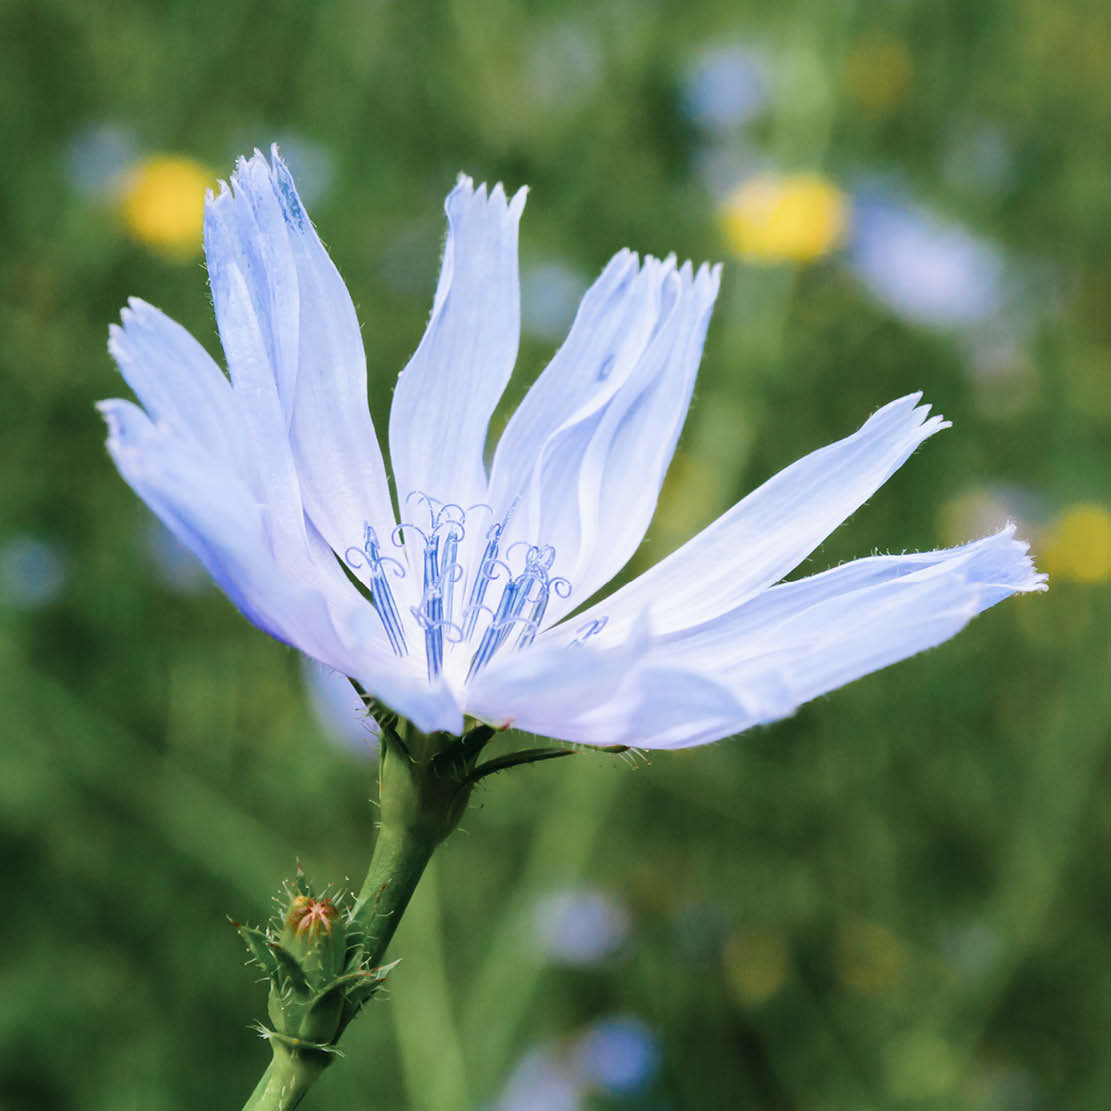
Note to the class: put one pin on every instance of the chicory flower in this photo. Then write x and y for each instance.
(468, 599)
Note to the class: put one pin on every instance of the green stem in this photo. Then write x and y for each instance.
(395, 869)
(423, 789)
(286, 1080)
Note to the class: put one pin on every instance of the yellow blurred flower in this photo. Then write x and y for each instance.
(878, 71)
(1078, 544)
(784, 218)
(869, 958)
(974, 512)
(162, 201)
(756, 964)
(690, 497)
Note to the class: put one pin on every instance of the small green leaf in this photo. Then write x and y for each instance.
(290, 970)
(514, 759)
(300, 883)
(320, 1022)
(258, 945)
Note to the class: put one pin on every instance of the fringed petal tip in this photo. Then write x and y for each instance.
(253, 175)
(464, 197)
(134, 442)
(1017, 565)
(133, 316)
(705, 280)
(710, 272)
(911, 411)
(127, 424)
(987, 571)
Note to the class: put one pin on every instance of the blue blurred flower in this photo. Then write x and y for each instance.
(33, 572)
(928, 270)
(270, 477)
(550, 293)
(725, 86)
(618, 1054)
(98, 156)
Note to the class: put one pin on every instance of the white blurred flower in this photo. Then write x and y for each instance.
(563, 66)
(973, 949)
(979, 158)
(542, 1081)
(987, 506)
(580, 927)
(926, 269)
(1003, 374)
(1004, 1086)
(616, 1055)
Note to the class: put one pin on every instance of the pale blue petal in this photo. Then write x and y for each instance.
(664, 707)
(845, 637)
(762, 661)
(217, 517)
(296, 351)
(581, 462)
(343, 478)
(614, 322)
(178, 382)
(446, 394)
(620, 695)
(543, 689)
(244, 320)
(822, 607)
(770, 531)
(623, 467)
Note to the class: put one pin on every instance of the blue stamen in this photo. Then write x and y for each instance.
(486, 567)
(532, 585)
(524, 599)
(380, 593)
(432, 605)
(512, 599)
(451, 550)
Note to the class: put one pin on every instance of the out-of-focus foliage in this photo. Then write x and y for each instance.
(898, 898)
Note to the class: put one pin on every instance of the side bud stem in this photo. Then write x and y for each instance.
(323, 968)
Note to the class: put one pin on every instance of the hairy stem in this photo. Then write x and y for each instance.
(422, 800)
(395, 869)
(286, 1080)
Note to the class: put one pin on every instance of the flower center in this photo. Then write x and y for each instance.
(311, 916)
(506, 591)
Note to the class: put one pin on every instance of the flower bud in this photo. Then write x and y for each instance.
(313, 930)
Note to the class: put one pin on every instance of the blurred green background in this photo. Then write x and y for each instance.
(898, 898)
